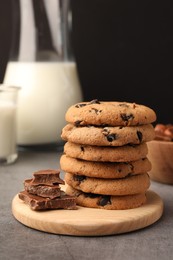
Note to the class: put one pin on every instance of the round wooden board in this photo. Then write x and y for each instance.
(89, 221)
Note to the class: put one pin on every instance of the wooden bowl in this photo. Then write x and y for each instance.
(160, 154)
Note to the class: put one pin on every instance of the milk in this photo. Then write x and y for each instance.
(47, 90)
(7, 129)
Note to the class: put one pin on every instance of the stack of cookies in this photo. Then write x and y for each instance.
(105, 153)
(44, 192)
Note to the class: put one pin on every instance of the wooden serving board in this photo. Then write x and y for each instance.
(89, 221)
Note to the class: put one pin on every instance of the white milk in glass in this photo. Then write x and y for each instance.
(7, 129)
(47, 91)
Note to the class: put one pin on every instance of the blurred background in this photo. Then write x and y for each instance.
(123, 50)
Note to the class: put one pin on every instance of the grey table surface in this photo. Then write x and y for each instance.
(20, 242)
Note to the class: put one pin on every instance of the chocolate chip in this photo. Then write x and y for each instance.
(80, 105)
(105, 131)
(134, 105)
(131, 166)
(91, 195)
(110, 137)
(140, 136)
(82, 148)
(123, 105)
(79, 178)
(126, 117)
(94, 101)
(97, 111)
(78, 122)
(105, 200)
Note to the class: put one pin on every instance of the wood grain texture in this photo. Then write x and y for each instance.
(160, 153)
(88, 221)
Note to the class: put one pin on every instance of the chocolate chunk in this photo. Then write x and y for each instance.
(40, 203)
(140, 136)
(104, 200)
(42, 190)
(78, 122)
(79, 178)
(97, 111)
(91, 195)
(123, 105)
(126, 117)
(47, 177)
(131, 166)
(94, 101)
(82, 148)
(110, 136)
(134, 105)
(105, 131)
(80, 105)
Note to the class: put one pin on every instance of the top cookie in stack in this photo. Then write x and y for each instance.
(105, 155)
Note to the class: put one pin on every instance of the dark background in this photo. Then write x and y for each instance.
(123, 50)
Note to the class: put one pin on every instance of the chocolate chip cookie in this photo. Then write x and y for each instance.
(125, 186)
(104, 170)
(108, 136)
(108, 202)
(106, 154)
(109, 114)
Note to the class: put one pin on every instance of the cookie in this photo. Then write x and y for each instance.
(108, 202)
(124, 186)
(109, 113)
(108, 136)
(104, 169)
(104, 153)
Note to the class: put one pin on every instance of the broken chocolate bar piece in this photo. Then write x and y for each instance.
(39, 203)
(47, 177)
(45, 191)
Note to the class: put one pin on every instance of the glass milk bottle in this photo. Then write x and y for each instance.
(42, 64)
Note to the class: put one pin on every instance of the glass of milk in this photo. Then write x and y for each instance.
(8, 105)
(43, 64)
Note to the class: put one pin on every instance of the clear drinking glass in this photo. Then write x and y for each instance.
(42, 62)
(8, 106)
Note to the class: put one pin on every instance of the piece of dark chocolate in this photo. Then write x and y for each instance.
(126, 117)
(45, 191)
(39, 203)
(105, 199)
(79, 178)
(47, 177)
(140, 136)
